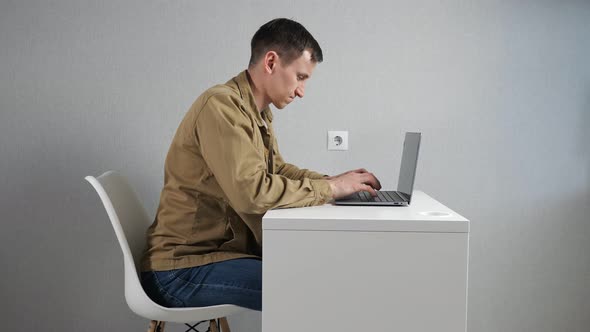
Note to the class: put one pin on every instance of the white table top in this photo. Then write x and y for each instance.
(424, 214)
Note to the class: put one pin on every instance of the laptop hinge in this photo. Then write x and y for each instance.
(403, 196)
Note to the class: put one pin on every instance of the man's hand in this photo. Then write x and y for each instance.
(353, 181)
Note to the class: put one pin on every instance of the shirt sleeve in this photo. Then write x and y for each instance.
(226, 138)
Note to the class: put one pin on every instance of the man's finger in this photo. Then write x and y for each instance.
(371, 180)
(370, 190)
(378, 183)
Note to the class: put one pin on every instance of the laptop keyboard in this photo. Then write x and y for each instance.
(382, 196)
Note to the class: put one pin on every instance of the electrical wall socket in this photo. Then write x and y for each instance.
(337, 140)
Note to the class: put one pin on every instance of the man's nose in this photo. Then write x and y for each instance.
(300, 91)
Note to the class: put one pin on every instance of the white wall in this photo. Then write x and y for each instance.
(499, 89)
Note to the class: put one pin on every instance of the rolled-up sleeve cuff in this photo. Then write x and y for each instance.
(323, 191)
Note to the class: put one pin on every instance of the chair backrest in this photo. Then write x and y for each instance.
(130, 223)
(127, 215)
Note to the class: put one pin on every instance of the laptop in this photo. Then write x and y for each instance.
(405, 185)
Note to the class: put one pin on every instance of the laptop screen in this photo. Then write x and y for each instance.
(407, 171)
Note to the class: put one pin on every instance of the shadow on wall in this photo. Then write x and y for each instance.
(549, 265)
(584, 129)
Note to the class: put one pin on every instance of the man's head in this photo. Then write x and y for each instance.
(284, 55)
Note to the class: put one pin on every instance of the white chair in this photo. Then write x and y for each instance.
(130, 222)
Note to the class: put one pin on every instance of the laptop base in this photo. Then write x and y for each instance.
(354, 199)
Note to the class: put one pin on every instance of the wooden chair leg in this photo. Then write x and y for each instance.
(213, 325)
(156, 326)
(224, 324)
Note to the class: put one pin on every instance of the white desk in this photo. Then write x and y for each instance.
(346, 268)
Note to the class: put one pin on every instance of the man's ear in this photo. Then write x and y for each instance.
(270, 61)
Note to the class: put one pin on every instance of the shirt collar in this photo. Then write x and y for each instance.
(243, 85)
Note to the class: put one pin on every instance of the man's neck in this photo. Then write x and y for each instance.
(256, 86)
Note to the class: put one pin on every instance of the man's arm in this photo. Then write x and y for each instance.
(342, 185)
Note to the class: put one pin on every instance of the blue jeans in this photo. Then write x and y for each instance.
(236, 281)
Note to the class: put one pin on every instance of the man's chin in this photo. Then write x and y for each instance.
(281, 105)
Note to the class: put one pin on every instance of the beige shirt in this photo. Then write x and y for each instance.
(223, 171)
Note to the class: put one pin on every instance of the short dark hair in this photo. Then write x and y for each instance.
(288, 38)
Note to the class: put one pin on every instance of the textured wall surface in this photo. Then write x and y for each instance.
(500, 91)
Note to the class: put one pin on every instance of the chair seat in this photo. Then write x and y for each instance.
(187, 315)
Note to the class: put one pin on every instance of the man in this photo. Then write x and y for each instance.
(224, 171)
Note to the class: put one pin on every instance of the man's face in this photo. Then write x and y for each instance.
(288, 82)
